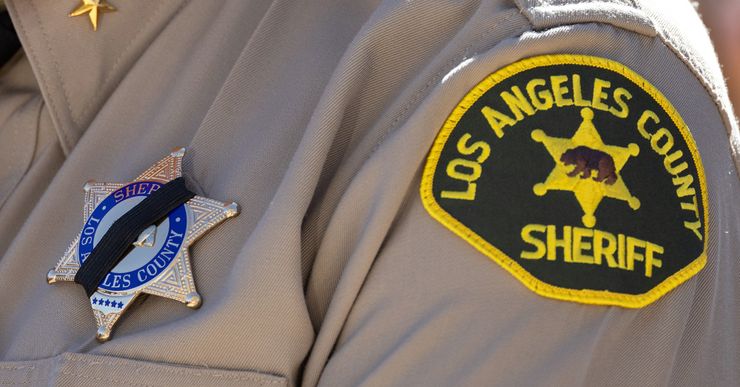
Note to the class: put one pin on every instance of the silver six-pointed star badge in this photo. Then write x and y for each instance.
(158, 262)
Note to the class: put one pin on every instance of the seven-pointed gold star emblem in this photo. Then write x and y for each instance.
(588, 191)
(159, 262)
(92, 8)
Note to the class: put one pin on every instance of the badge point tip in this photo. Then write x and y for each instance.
(178, 152)
(232, 210)
(51, 277)
(102, 335)
(88, 185)
(193, 300)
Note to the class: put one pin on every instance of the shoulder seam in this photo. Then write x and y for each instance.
(624, 14)
(723, 105)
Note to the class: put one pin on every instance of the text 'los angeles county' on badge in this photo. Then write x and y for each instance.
(135, 240)
(577, 176)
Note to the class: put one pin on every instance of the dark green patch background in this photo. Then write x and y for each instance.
(505, 201)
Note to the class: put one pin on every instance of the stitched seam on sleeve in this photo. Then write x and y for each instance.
(621, 15)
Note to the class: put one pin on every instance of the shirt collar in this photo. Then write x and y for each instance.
(77, 68)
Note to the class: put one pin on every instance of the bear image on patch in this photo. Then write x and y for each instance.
(586, 160)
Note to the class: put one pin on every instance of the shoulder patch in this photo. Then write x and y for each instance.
(577, 176)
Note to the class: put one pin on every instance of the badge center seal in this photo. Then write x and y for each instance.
(144, 263)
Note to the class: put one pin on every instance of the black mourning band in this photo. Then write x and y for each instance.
(119, 238)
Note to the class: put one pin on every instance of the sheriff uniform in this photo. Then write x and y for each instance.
(431, 193)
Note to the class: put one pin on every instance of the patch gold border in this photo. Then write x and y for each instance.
(595, 297)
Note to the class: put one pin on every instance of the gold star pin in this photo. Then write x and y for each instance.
(92, 8)
(588, 191)
(158, 262)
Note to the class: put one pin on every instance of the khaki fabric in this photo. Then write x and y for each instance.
(316, 117)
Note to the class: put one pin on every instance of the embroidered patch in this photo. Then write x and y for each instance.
(577, 176)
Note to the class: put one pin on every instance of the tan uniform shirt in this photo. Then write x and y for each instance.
(317, 117)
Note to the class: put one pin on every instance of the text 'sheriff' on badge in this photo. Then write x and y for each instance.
(577, 176)
(158, 263)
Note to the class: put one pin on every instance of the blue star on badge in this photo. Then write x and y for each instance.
(158, 263)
